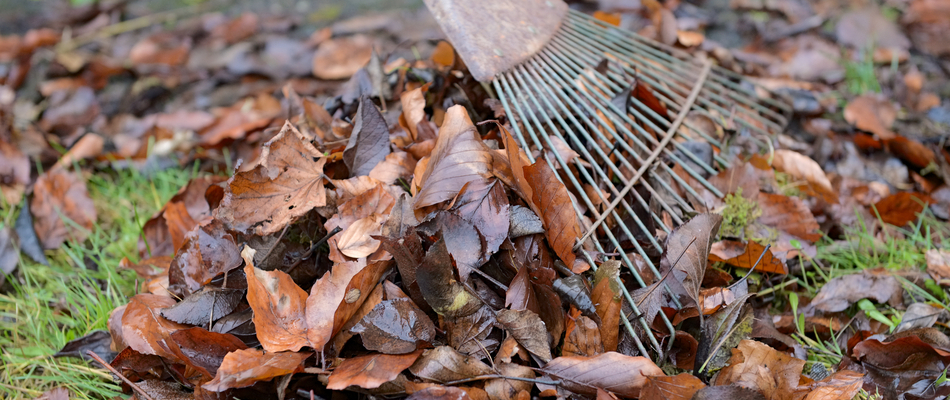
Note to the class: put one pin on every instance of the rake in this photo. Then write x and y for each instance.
(546, 64)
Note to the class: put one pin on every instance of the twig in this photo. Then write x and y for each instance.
(128, 25)
(656, 153)
(313, 248)
(497, 376)
(135, 387)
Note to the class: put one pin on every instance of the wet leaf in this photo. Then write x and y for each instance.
(676, 387)
(441, 290)
(395, 326)
(203, 350)
(99, 342)
(759, 367)
(444, 364)
(338, 295)
(607, 302)
(468, 334)
(556, 209)
(244, 368)
(839, 293)
(370, 371)
(369, 142)
(459, 158)
(287, 184)
(614, 372)
(204, 306)
(528, 329)
(278, 305)
(804, 168)
(574, 288)
(143, 328)
(58, 194)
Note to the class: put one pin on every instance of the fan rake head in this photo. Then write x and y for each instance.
(644, 118)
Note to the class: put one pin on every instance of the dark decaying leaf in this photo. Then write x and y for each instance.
(459, 157)
(287, 184)
(370, 371)
(9, 255)
(202, 350)
(99, 342)
(690, 243)
(408, 253)
(278, 305)
(469, 334)
(143, 328)
(485, 205)
(607, 302)
(369, 142)
(26, 234)
(59, 194)
(207, 252)
(574, 288)
(338, 295)
(520, 294)
(557, 211)
(243, 368)
(528, 329)
(444, 364)
(462, 240)
(676, 387)
(614, 372)
(523, 222)
(839, 293)
(722, 332)
(204, 306)
(395, 326)
(441, 290)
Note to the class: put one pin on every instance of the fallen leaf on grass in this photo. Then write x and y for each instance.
(370, 371)
(528, 329)
(744, 255)
(902, 207)
(800, 166)
(395, 326)
(873, 114)
(98, 342)
(287, 184)
(244, 368)
(9, 254)
(938, 265)
(143, 327)
(444, 364)
(278, 305)
(787, 214)
(459, 157)
(553, 201)
(369, 142)
(207, 252)
(839, 293)
(676, 387)
(59, 194)
(842, 385)
(759, 367)
(614, 372)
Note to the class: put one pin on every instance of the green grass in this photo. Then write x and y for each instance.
(73, 296)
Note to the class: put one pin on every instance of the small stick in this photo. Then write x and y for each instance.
(656, 153)
(135, 387)
(496, 376)
(313, 248)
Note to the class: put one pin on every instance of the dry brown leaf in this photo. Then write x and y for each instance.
(582, 338)
(676, 387)
(759, 367)
(337, 296)
(873, 114)
(413, 113)
(370, 371)
(287, 184)
(508, 389)
(459, 158)
(802, 167)
(839, 293)
(745, 255)
(207, 252)
(938, 265)
(614, 372)
(444, 364)
(553, 201)
(244, 368)
(842, 385)
(278, 305)
(396, 165)
(528, 329)
(357, 240)
(58, 194)
(607, 301)
(340, 58)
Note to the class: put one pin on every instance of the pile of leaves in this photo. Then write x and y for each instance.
(373, 238)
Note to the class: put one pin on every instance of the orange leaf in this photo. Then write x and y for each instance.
(59, 194)
(607, 301)
(554, 202)
(741, 255)
(614, 372)
(278, 305)
(802, 167)
(901, 207)
(337, 296)
(370, 371)
(677, 387)
(143, 327)
(244, 368)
